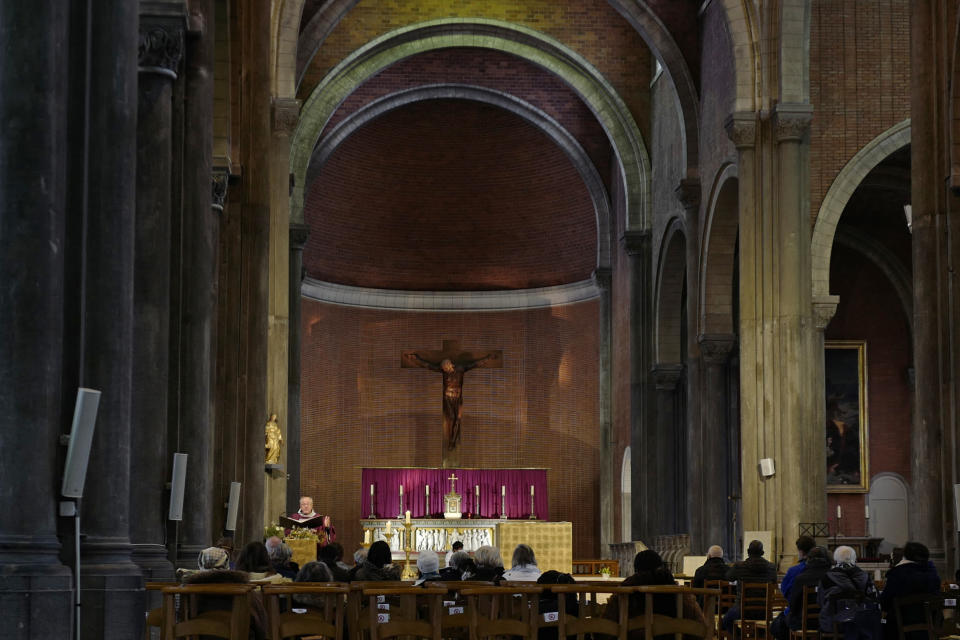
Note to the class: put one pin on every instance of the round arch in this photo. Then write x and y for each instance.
(538, 118)
(530, 45)
(838, 195)
(285, 28)
(718, 255)
(743, 22)
(670, 280)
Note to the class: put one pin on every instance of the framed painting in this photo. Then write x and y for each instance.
(845, 376)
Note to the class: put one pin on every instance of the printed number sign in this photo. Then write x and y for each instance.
(449, 603)
(455, 610)
(551, 616)
(950, 602)
(381, 598)
(383, 618)
(383, 606)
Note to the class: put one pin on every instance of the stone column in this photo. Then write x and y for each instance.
(930, 347)
(712, 470)
(637, 246)
(298, 238)
(667, 461)
(161, 47)
(35, 588)
(111, 581)
(602, 278)
(198, 286)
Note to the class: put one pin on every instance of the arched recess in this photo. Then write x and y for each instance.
(283, 47)
(538, 118)
(626, 498)
(889, 509)
(670, 283)
(794, 56)
(842, 188)
(570, 67)
(718, 255)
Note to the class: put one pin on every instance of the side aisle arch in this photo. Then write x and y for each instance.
(570, 67)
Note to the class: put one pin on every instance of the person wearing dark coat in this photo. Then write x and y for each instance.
(258, 614)
(816, 564)
(713, 569)
(329, 556)
(378, 567)
(848, 599)
(455, 566)
(914, 574)
(753, 569)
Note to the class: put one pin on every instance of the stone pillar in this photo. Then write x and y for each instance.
(930, 347)
(111, 581)
(298, 238)
(642, 436)
(198, 286)
(712, 472)
(35, 588)
(602, 278)
(161, 47)
(776, 333)
(667, 462)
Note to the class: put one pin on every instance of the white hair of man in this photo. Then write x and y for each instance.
(360, 555)
(845, 555)
(273, 543)
(716, 551)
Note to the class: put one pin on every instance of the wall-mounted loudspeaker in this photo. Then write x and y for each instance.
(232, 506)
(766, 467)
(81, 439)
(178, 482)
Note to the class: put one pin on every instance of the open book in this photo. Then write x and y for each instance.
(311, 523)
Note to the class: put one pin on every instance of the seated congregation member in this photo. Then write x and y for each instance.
(550, 602)
(754, 569)
(455, 565)
(378, 565)
(358, 557)
(914, 574)
(429, 567)
(650, 570)
(524, 565)
(328, 556)
(312, 572)
(815, 566)
(804, 545)
(848, 598)
(255, 561)
(713, 569)
(337, 551)
(226, 543)
(280, 554)
(489, 565)
(214, 565)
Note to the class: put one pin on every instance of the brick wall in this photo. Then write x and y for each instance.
(540, 410)
(450, 195)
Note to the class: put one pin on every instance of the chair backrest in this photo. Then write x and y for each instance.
(359, 622)
(756, 600)
(657, 624)
(810, 614)
(503, 611)
(951, 613)
(918, 613)
(591, 618)
(726, 599)
(232, 624)
(323, 616)
(418, 613)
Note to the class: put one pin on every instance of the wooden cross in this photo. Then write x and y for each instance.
(452, 361)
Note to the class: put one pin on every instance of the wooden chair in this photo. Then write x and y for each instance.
(154, 615)
(503, 611)
(358, 621)
(405, 620)
(726, 599)
(951, 614)
(590, 618)
(232, 624)
(657, 624)
(809, 615)
(455, 615)
(286, 622)
(918, 613)
(756, 609)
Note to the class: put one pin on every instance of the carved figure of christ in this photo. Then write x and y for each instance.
(452, 362)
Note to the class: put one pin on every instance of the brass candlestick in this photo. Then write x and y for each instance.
(389, 536)
(533, 516)
(409, 572)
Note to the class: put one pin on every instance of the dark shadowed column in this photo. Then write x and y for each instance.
(111, 581)
(35, 588)
(602, 277)
(666, 379)
(161, 47)
(298, 238)
(637, 246)
(198, 286)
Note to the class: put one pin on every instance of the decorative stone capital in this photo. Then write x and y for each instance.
(791, 121)
(602, 277)
(219, 182)
(298, 236)
(636, 243)
(716, 347)
(741, 128)
(160, 50)
(667, 376)
(286, 115)
(688, 193)
(824, 307)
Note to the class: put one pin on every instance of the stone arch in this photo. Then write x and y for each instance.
(527, 44)
(283, 47)
(626, 498)
(538, 118)
(718, 255)
(671, 276)
(838, 195)
(743, 22)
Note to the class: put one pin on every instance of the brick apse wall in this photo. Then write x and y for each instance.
(541, 410)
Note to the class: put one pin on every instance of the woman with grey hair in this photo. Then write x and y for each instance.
(524, 565)
(489, 565)
(848, 599)
(312, 572)
(456, 563)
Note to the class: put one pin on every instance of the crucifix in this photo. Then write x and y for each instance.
(452, 362)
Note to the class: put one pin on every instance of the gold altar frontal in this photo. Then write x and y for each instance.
(304, 551)
(552, 542)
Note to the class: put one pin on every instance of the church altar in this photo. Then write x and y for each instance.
(390, 492)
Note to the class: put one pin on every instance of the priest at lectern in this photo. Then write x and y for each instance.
(307, 518)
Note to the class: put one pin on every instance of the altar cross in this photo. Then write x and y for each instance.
(452, 479)
(452, 361)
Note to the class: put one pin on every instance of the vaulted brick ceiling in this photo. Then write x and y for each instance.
(449, 195)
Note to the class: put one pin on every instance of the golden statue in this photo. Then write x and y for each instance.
(274, 440)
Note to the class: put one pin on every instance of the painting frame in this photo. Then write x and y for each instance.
(845, 401)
